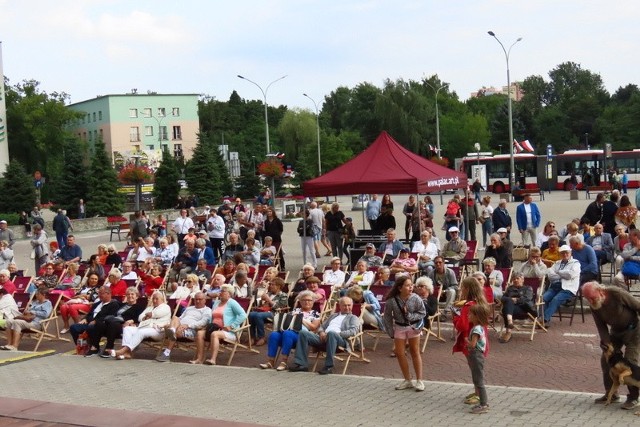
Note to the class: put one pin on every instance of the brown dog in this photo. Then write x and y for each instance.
(621, 370)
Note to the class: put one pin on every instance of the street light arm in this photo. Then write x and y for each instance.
(264, 95)
(269, 85)
(315, 104)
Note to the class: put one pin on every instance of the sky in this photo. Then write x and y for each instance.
(98, 47)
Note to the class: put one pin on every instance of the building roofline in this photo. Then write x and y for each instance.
(133, 94)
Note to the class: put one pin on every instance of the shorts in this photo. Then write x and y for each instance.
(189, 333)
(405, 332)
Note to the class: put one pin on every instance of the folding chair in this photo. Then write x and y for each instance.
(537, 286)
(370, 330)
(39, 335)
(346, 354)
(380, 292)
(246, 304)
(22, 284)
(428, 330)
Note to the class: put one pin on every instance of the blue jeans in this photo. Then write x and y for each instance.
(285, 339)
(487, 229)
(256, 322)
(76, 329)
(61, 239)
(554, 298)
(306, 338)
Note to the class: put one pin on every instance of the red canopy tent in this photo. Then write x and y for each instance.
(385, 167)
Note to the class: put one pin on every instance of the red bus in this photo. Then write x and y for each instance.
(587, 167)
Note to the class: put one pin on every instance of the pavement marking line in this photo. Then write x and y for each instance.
(576, 335)
(26, 356)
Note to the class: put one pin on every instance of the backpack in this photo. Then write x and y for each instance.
(452, 209)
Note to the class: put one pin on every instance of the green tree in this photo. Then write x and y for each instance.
(103, 198)
(18, 187)
(36, 123)
(166, 188)
(248, 183)
(206, 173)
(73, 182)
(297, 129)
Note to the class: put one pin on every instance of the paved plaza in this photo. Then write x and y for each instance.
(552, 379)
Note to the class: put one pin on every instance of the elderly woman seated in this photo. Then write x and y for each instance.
(306, 272)
(517, 300)
(404, 264)
(49, 279)
(494, 277)
(187, 290)
(69, 282)
(313, 285)
(38, 311)
(424, 289)
(383, 277)
(152, 322)
(534, 267)
(227, 316)
(271, 301)
(370, 305)
(287, 339)
(498, 252)
(359, 277)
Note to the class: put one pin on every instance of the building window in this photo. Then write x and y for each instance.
(148, 131)
(95, 135)
(94, 116)
(162, 112)
(101, 135)
(89, 135)
(177, 151)
(175, 112)
(150, 147)
(146, 112)
(134, 134)
(163, 133)
(136, 147)
(177, 132)
(133, 113)
(165, 147)
(84, 136)
(99, 115)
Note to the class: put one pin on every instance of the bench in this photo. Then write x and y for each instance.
(118, 229)
(597, 189)
(531, 191)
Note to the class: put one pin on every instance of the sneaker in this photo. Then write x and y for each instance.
(162, 357)
(404, 385)
(472, 400)
(470, 394)
(603, 399)
(326, 370)
(419, 385)
(91, 353)
(630, 404)
(480, 409)
(106, 354)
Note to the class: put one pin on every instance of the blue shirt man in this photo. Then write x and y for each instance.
(587, 258)
(373, 211)
(71, 252)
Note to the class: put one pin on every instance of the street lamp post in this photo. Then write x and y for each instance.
(317, 130)
(266, 116)
(437, 116)
(506, 55)
(137, 201)
(266, 127)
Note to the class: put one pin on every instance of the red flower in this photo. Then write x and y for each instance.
(271, 168)
(133, 175)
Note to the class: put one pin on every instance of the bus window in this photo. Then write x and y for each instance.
(626, 164)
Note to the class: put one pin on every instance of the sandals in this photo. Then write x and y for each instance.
(267, 365)
(210, 362)
(195, 362)
(282, 367)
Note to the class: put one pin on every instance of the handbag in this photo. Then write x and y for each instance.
(520, 253)
(287, 321)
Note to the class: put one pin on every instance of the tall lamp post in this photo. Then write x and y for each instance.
(266, 126)
(137, 201)
(507, 52)
(317, 130)
(437, 115)
(266, 116)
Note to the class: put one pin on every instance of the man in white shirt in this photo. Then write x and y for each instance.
(333, 333)
(127, 272)
(215, 229)
(181, 226)
(334, 276)
(427, 251)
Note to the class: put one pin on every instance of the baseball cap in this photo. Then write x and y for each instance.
(3, 222)
(349, 219)
(370, 245)
(502, 230)
(452, 229)
(202, 232)
(565, 248)
(407, 250)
